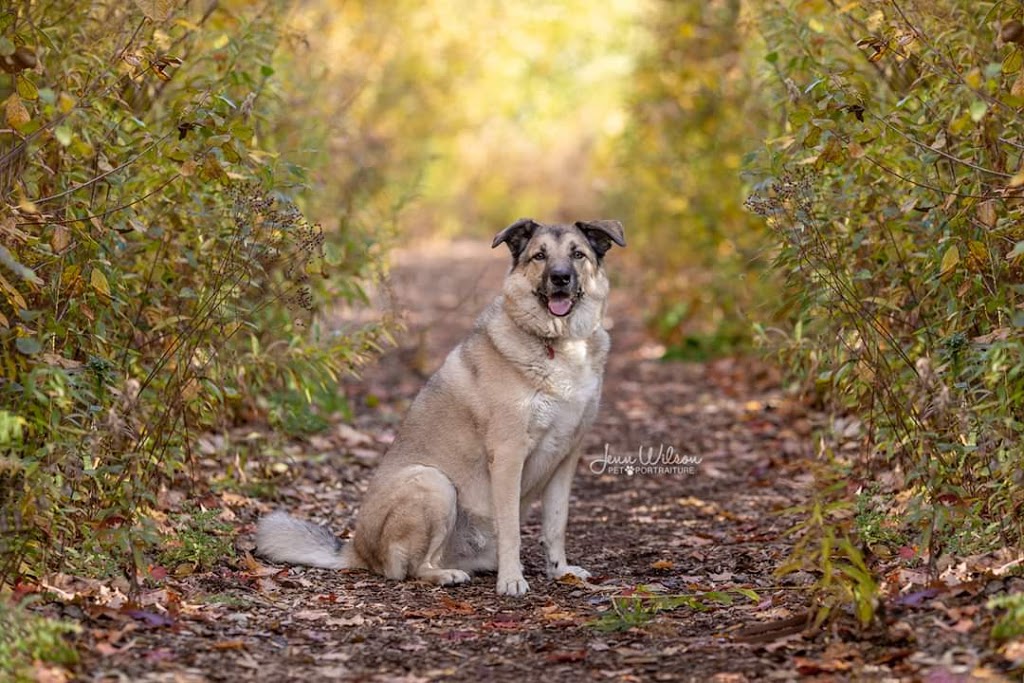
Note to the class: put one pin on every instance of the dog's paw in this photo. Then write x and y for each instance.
(451, 577)
(515, 586)
(442, 577)
(568, 570)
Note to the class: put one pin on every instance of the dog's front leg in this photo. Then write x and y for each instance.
(506, 469)
(555, 516)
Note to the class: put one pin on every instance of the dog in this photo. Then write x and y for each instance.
(498, 426)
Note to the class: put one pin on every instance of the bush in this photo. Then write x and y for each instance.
(28, 641)
(894, 190)
(158, 277)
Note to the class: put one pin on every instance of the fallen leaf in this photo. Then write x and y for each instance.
(554, 612)
(566, 656)
(49, 674)
(310, 614)
(455, 606)
(151, 619)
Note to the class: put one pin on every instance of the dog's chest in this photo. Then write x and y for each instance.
(559, 411)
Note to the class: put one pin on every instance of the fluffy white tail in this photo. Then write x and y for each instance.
(282, 538)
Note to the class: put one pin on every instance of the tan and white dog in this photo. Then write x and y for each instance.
(498, 425)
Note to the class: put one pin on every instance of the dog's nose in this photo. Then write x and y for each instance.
(561, 278)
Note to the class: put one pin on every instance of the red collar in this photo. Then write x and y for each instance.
(550, 349)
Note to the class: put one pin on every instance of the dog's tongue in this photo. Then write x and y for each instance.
(560, 306)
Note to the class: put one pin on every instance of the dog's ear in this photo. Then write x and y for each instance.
(517, 235)
(601, 234)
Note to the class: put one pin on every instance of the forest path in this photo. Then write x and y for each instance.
(716, 528)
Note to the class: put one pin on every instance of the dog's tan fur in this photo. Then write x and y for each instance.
(498, 426)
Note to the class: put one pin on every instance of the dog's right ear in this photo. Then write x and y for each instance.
(517, 235)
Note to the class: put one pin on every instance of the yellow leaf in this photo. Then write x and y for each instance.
(99, 282)
(878, 53)
(973, 78)
(60, 239)
(26, 205)
(1017, 89)
(15, 112)
(1017, 180)
(663, 564)
(987, 213)
(65, 103)
(156, 10)
(977, 253)
(211, 169)
(14, 297)
(950, 260)
(26, 89)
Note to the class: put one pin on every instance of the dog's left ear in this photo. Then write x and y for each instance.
(601, 234)
(517, 235)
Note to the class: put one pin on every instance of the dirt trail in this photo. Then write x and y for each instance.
(714, 527)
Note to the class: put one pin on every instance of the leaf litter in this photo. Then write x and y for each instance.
(682, 565)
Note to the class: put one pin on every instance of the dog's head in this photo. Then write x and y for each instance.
(557, 286)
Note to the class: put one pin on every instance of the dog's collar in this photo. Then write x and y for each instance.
(549, 346)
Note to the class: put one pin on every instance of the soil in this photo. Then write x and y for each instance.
(683, 562)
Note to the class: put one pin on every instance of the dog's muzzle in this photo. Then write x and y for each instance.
(562, 292)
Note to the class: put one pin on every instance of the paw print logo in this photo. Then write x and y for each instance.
(629, 470)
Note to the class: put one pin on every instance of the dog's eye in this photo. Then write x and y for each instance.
(578, 255)
(539, 256)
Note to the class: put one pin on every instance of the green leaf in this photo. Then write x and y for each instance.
(978, 109)
(63, 135)
(28, 345)
(719, 596)
(6, 47)
(1013, 62)
(950, 260)
(27, 89)
(99, 282)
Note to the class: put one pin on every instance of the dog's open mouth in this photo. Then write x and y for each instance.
(559, 303)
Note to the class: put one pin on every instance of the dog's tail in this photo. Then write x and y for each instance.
(282, 538)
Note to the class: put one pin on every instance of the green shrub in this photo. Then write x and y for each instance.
(200, 540)
(157, 276)
(1010, 623)
(26, 638)
(893, 187)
